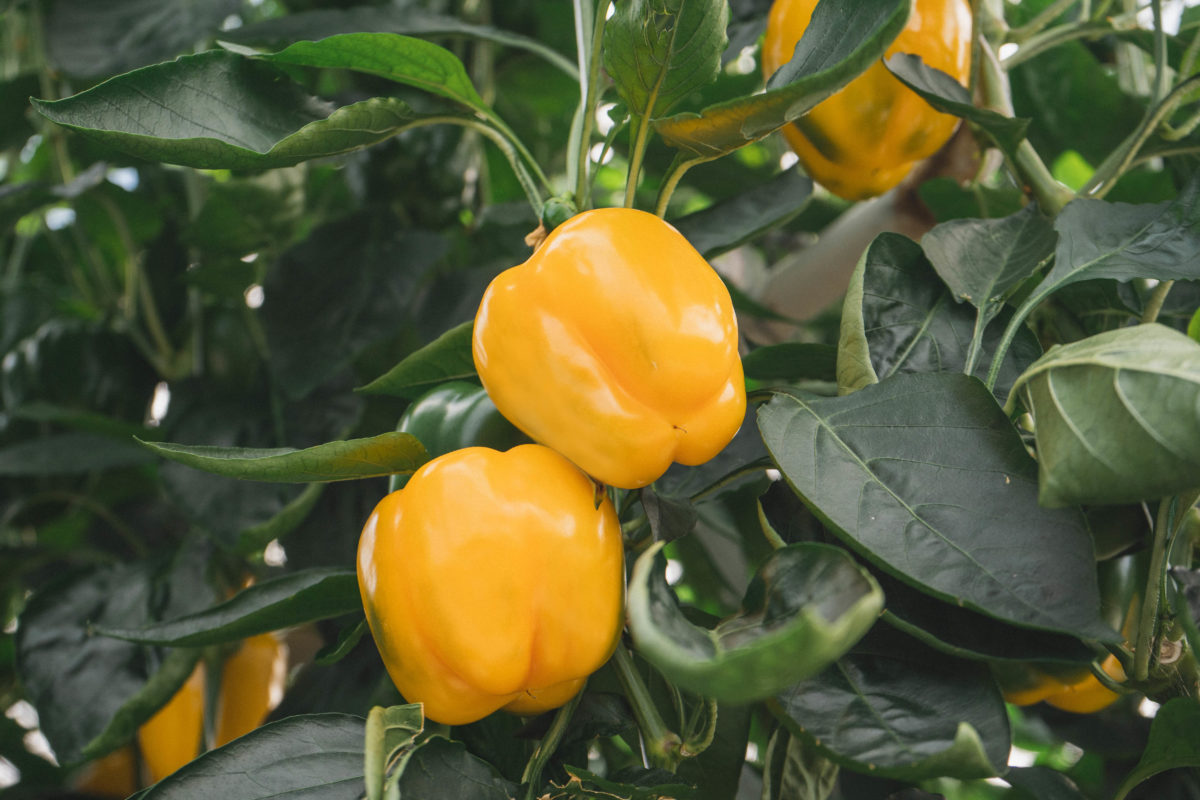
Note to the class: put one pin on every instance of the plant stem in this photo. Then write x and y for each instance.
(1172, 511)
(1039, 22)
(1049, 193)
(641, 134)
(1149, 610)
(1162, 80)
(546, 747)
(662, 743)
(1155, 303)
(678, 167)
(590, 99)
(1120, 159)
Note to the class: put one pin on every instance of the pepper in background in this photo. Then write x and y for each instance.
(252, 681)
(615, 344)
(493, 580)
(454, 415)
(865, 139)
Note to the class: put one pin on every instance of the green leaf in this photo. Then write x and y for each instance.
(323, 22)
(315, 755)
(669, 517)
(894, 716)
(219, 110)
(925, 476)
(1041, 783)
(94, 40)
(805, 606)
(446, 358)
(899, 317)
(404, 59)
(70, 454)
(1115, 416)
(374, 456)
(949, 96)
(795, 770)
(1172, 743)
(969, 634)
(983, 260)
(842, 40)
(659, 51)
(389, 730)
(743, 217)
(948, 200)
(440, 768)
(1098, 239)
(308, 340)
(792, 361)
(273, 604)
(92, 692)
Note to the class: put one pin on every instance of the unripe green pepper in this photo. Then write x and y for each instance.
(454, 415)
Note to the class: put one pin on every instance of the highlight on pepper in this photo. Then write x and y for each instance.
(615, 344)
(493, 581)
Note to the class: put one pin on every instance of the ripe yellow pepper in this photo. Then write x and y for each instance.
(1081, 693)
(863, 140)
(493, 580)
(251, 685)
(616, 345)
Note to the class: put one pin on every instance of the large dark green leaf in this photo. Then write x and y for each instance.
(446, 358)
(982, 260)
(318, 319)
(731, 222)
(969, 634)
(947, 95)
(806, 606)
(375, 456)
(659, 51)
(94, 40)
(925, 476)
(1172, 743)
(223, 110)
(1098, 239)
(318, 756)
(1115, 416)
(899, 317)
(440, 768)
(323, 22)
(70, 454)
(1041, 783)
(842, 40)
(895, 715)
(282, 602)
(92, 692)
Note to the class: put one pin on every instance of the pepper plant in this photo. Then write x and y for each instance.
(241, 239)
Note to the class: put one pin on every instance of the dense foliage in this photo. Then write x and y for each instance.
(240, 238)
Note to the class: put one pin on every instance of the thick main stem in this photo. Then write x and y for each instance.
(662, 744)
(546, 747)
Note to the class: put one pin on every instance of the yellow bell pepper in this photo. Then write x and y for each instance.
(616, 345)
(865, 139)
(1078, 691)
(251, 685)
(493, 581)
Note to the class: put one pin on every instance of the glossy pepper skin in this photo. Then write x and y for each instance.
(493, 581)
(616, 345)
(454, 415)
(865, 139)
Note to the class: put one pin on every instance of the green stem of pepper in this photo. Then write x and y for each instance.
(641, 134)
(662, 744)
(1155, 303)
(589, 100)
(532, 776)
(1172, 511)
